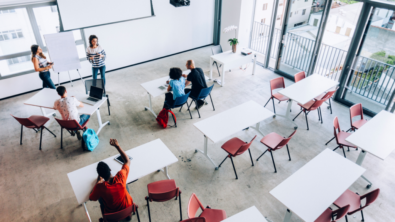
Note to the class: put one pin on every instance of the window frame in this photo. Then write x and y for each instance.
(37, 35)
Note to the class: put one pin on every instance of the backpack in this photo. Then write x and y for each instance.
(163, 117)
(90, 138)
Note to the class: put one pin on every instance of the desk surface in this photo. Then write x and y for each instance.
(233, 120)
(46, 98)
(251, 215)
(314, 187)
(147, 159)
(308, 88)
(230, 57)
(377, 136)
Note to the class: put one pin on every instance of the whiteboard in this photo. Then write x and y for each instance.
(76, 14)
(62, 51)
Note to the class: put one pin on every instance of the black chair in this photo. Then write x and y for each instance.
(202, 96)
(217, 50)
(179, 102)
(100, 84)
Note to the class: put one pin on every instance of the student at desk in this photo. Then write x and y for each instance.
(67, 107)
(176, 84)
(196, 77)
(112, 192)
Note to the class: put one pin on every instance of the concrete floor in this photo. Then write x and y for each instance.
(34, 185)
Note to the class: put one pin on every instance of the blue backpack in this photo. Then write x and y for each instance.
(91, 139)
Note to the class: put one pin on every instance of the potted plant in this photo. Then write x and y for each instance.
(234, 41)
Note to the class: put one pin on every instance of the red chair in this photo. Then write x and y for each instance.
(210, 215)
(311, 106)
(34, 122)
(274, 142)
(329, 215)
(341, 137)
(120, 215)
(196, 219)
(71, 125)
(161, 191)
(355, 201)
(277, 83)
(235, 147)
(329, 97)
(299, 76)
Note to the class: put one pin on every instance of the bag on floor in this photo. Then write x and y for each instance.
(90, 138)
(163, 117)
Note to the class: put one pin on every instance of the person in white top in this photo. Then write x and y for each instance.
(67, 107)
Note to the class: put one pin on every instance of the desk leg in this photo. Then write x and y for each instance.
(288, 215)
(150, 105)
(87, 213)
(101, 125)
(257, 126)
(287, 114)
(166, 172)
(211, 68)
(70, 79)
(360, 159)
(205, 152)
(253, 68)
(45, 114)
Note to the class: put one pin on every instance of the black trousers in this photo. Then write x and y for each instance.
(169, 101)
(200, 102)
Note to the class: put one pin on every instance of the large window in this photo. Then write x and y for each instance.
(24, 26)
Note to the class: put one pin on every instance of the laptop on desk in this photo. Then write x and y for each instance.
(95, 95)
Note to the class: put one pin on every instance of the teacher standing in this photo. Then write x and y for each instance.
(42, 66)
(96, 55)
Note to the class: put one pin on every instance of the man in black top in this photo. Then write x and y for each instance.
(196, 77)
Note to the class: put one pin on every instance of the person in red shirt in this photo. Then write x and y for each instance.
(112, 192)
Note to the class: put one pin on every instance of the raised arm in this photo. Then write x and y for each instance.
(114, 143)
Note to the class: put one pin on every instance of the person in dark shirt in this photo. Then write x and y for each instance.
(196, 77)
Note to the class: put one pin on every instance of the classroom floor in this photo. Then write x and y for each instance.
(34, 185)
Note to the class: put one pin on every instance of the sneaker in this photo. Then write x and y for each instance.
(79, 136)
(72, 133)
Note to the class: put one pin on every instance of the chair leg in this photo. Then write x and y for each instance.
(271, 153)
(251, 157)
(231, 159)
(41, 136)
(223, 160)
(137, 212)
(211, 101)
(274, 108)
(346, 218)
(344, 152)
(108, 106)
(61, 138)
(181, 108)
(189, 109)
(307, 122)
(261, 155)
(318, 112)
(297, 115)
(217, 69)
(21, 134)
(180, 207)
(321, 115)
(288, 153)
(149, 213)
(330, 105)
(363, 219)
(267, 102)
(197, 107)
(336, 148)
(329, 141)
(50, 131)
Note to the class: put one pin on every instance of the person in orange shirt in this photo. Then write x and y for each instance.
(112, 192)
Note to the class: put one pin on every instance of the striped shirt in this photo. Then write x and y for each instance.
(97, 61)
(41, 61)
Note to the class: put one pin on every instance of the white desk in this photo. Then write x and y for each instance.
(47, 97)
(231, 121)
(231, 60)
(306, 90)
(376, 137)
(314, 187)
(251, 215)
(153, 90)
(147, 158)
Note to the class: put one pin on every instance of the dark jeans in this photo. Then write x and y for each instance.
(84, 118)
(47, 81)
(102, 69)
(169, 101)
(102, 203)
(200, 102)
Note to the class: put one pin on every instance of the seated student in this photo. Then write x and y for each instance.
(176, 84)
(67, 107)
(112, 192)
(196, 77)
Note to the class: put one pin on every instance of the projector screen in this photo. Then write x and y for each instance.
(76, 14)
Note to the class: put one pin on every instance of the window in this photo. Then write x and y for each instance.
(265, 6)
(54, 8)
(7, 11)
(290, 14)
(304, 11)
(10, 35)
(278, 17)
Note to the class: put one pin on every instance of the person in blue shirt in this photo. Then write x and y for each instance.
(176, 84)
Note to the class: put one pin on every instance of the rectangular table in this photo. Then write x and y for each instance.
(251, 215)
(152, 88)
(230, 60)
(376, 137)
(46, 98)
(231, 121)
(147, 158)
(314, 187)
(306, 90)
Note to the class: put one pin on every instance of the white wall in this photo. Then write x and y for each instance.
(172, 30)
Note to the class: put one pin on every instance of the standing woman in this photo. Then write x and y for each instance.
(96, 55)
(42, 66)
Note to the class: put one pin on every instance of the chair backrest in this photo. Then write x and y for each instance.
(69, 124)
(340, 213)
(196, 219)
(285, 141)
(329, 94)
(299, 76)
(120, 215)
(244, 147)
(181, 100)
(370, 197)
(276, 83)
(217, 49)
(164, 196)
(25, 122)
(336, 128)
(356, 110)
(194, 205)
(99, 83)
(205, 92)
(317, 103)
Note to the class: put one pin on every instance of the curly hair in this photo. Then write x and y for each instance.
(91, 38)
(175, 73)
(103, 170)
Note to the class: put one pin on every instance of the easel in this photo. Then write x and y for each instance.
(70, 77)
